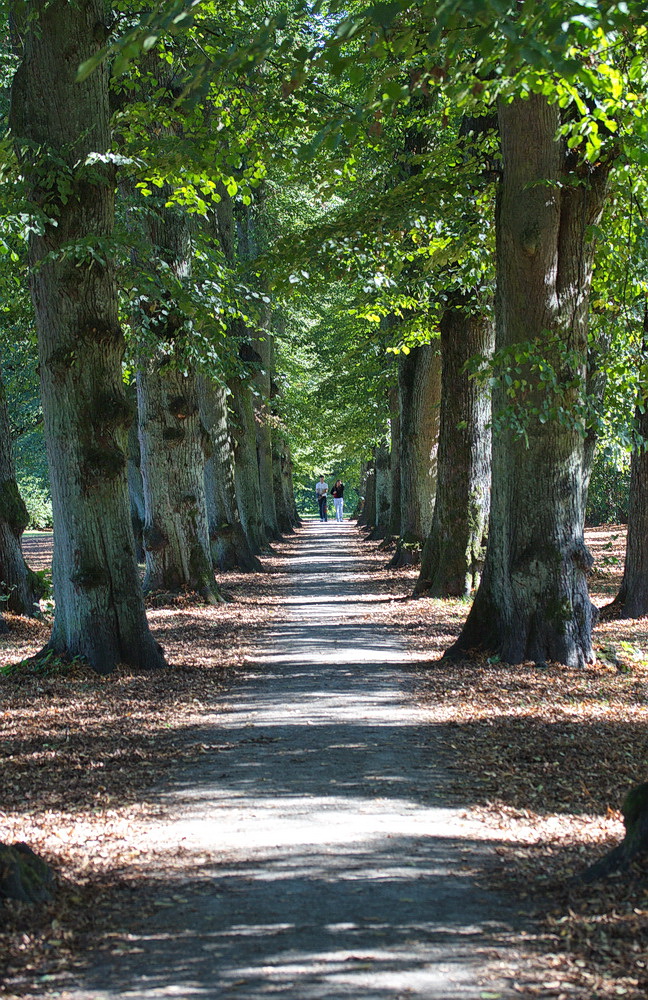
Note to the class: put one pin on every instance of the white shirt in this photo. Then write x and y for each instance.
(321, 488)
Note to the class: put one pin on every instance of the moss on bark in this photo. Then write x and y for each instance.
(12, 507)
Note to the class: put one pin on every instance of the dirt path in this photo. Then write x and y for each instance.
(321, 857)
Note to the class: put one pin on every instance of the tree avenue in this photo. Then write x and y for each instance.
(335, 237)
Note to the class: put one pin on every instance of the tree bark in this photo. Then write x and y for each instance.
(284, 491)
(635, 842)
(287, 516)
(359, 512)
(250, 493)
(382, 476)
(172, 437)
(176, 534)
(262, 344)
(632, 599)
(394, 520)
(229, 544)
(419, 389)
(533, 603)
(59, 124)
(242, 423)
(367, 518)
(453, 554)
(19, 587)
(136, 492)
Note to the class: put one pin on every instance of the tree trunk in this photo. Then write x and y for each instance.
(368, 516)
(19, 587)
(136, 492)
(419, 388)
(262, 344)
(394, 519)
(172, 437)
(287, 515)
(359, 512)
(242, 423)
(229, 545)
(58, 124)
(453, 554)
(249, 494)
(176, 534)
(632, 599)
(284, 491)
(532, 603)
(383, 492)
(634, 845)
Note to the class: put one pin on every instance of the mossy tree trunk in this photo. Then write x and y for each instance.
(250, 494)
(532, 602)
(19, 587)
(382, 476)
(368, 516)
(229, 544)
(419, 390)
(282, 467)
(632, 599)
(242, 423)
(136, 491)
(395, 493)
(59, 125)
(262, 344)
(359, 512)
(454, 549)
(172, 437)
(287, 516)
(176, 533)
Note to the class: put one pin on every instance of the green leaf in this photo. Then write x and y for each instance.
(86, 68)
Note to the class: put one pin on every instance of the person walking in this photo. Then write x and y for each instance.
(321, 492)
(338, 493)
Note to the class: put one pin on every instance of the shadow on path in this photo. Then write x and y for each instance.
(320, 858)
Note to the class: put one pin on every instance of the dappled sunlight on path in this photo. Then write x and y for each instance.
(320, 856)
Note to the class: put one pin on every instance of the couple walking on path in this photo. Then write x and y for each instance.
(321, 492)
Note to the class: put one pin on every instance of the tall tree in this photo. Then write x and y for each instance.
(287, 516)
(172, 437)
(453, 554)
(632, 599)
(261, 343)
(533, 603)
(61, 130)
(396, 490)
(229, 544)
(383, 490)
(250, 493)
(419, 385)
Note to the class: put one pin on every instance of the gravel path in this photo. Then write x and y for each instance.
(325, 862)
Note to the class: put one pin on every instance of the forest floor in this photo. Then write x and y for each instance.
(542, 755)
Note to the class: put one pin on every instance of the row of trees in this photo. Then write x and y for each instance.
(448, 273)
(209, 479)
(535, 170)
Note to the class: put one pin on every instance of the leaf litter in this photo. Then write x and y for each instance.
(543, 755)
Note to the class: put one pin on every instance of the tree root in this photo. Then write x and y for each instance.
(23, 875)
(634, 843)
